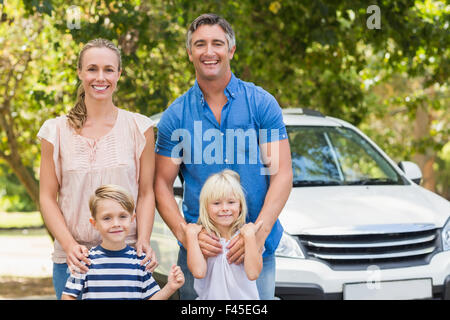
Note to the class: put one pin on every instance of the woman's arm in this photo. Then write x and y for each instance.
(53, 217)
(145, 206)
(195, 260)
(253, 256)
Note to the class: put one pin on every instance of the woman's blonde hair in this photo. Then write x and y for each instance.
(78, 114)
(222, 185)
(112, 192)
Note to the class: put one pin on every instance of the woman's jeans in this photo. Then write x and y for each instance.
(60, 275)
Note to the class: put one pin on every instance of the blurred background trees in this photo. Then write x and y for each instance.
(391, 82)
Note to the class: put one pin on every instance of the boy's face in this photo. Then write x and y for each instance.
(113, 222)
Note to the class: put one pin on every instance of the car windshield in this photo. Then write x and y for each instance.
(327, 156)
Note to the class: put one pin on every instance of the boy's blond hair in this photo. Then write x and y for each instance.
(112, 192)
(221, 186)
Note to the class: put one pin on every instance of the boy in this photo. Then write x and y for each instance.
(115, 271)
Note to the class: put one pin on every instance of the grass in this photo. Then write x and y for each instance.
(20, 220)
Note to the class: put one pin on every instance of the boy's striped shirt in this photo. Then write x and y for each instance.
(113, 275)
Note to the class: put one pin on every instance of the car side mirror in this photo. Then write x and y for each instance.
(411, 170)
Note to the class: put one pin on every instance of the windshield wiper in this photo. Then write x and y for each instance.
(372, 181)
(313, 183)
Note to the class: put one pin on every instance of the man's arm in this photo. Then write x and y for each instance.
(280, 167)
(166, 171)
(277, 157)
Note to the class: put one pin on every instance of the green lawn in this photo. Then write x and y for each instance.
(20, 220)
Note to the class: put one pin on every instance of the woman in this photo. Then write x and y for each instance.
(96, 143)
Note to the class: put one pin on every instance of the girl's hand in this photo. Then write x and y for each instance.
(150, 255)
(250, 229)
(76, 259)
(176, 278)
(191, 229)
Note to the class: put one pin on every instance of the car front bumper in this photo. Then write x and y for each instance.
(312, 280)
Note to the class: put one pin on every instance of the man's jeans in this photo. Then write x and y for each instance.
(265, 282)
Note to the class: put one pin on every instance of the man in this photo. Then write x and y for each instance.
(206, 131)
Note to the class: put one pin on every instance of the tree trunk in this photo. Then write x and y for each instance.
(426, 159)
(25, 177)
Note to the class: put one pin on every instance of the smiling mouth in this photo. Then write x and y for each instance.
(100, 88)
(210, 62)
(225, 215)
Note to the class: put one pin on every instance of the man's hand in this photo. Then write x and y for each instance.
(236, 246)
(236, 250)
(209, 244)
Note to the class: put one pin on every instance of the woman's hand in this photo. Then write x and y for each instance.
(150, 255)
(77, 258)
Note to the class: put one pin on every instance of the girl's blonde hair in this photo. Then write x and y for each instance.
(222, 185)
(112, 192)
(78, 114)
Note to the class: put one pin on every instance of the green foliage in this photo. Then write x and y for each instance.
(13, 196)
(317, 54)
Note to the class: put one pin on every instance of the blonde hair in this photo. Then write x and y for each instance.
(78, 114)
(112, 192)
(219, 186)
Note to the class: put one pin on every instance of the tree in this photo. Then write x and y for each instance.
(317, 54)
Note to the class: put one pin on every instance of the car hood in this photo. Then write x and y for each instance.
(310, 210)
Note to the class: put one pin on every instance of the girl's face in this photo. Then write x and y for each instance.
(99, 73)
(224, 212)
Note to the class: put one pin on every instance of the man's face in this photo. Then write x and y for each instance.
(210, 53)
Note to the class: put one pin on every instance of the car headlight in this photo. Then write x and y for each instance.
(289, 247)
(446, 236)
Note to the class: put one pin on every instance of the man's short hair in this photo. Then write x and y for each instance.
(211, 19)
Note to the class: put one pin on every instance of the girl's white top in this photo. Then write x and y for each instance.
(224, 281)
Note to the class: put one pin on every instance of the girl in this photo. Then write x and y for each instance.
(222, 212)
(95, 143)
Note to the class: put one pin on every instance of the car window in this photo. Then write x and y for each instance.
(336, 156)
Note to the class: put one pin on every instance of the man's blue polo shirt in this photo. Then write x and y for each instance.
(188, 131)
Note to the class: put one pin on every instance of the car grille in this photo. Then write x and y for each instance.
(358, 251)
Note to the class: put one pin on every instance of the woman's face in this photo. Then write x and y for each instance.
(99, 73)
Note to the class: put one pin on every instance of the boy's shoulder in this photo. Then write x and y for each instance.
(127, 252)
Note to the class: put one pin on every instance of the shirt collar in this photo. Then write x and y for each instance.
(230, 90)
